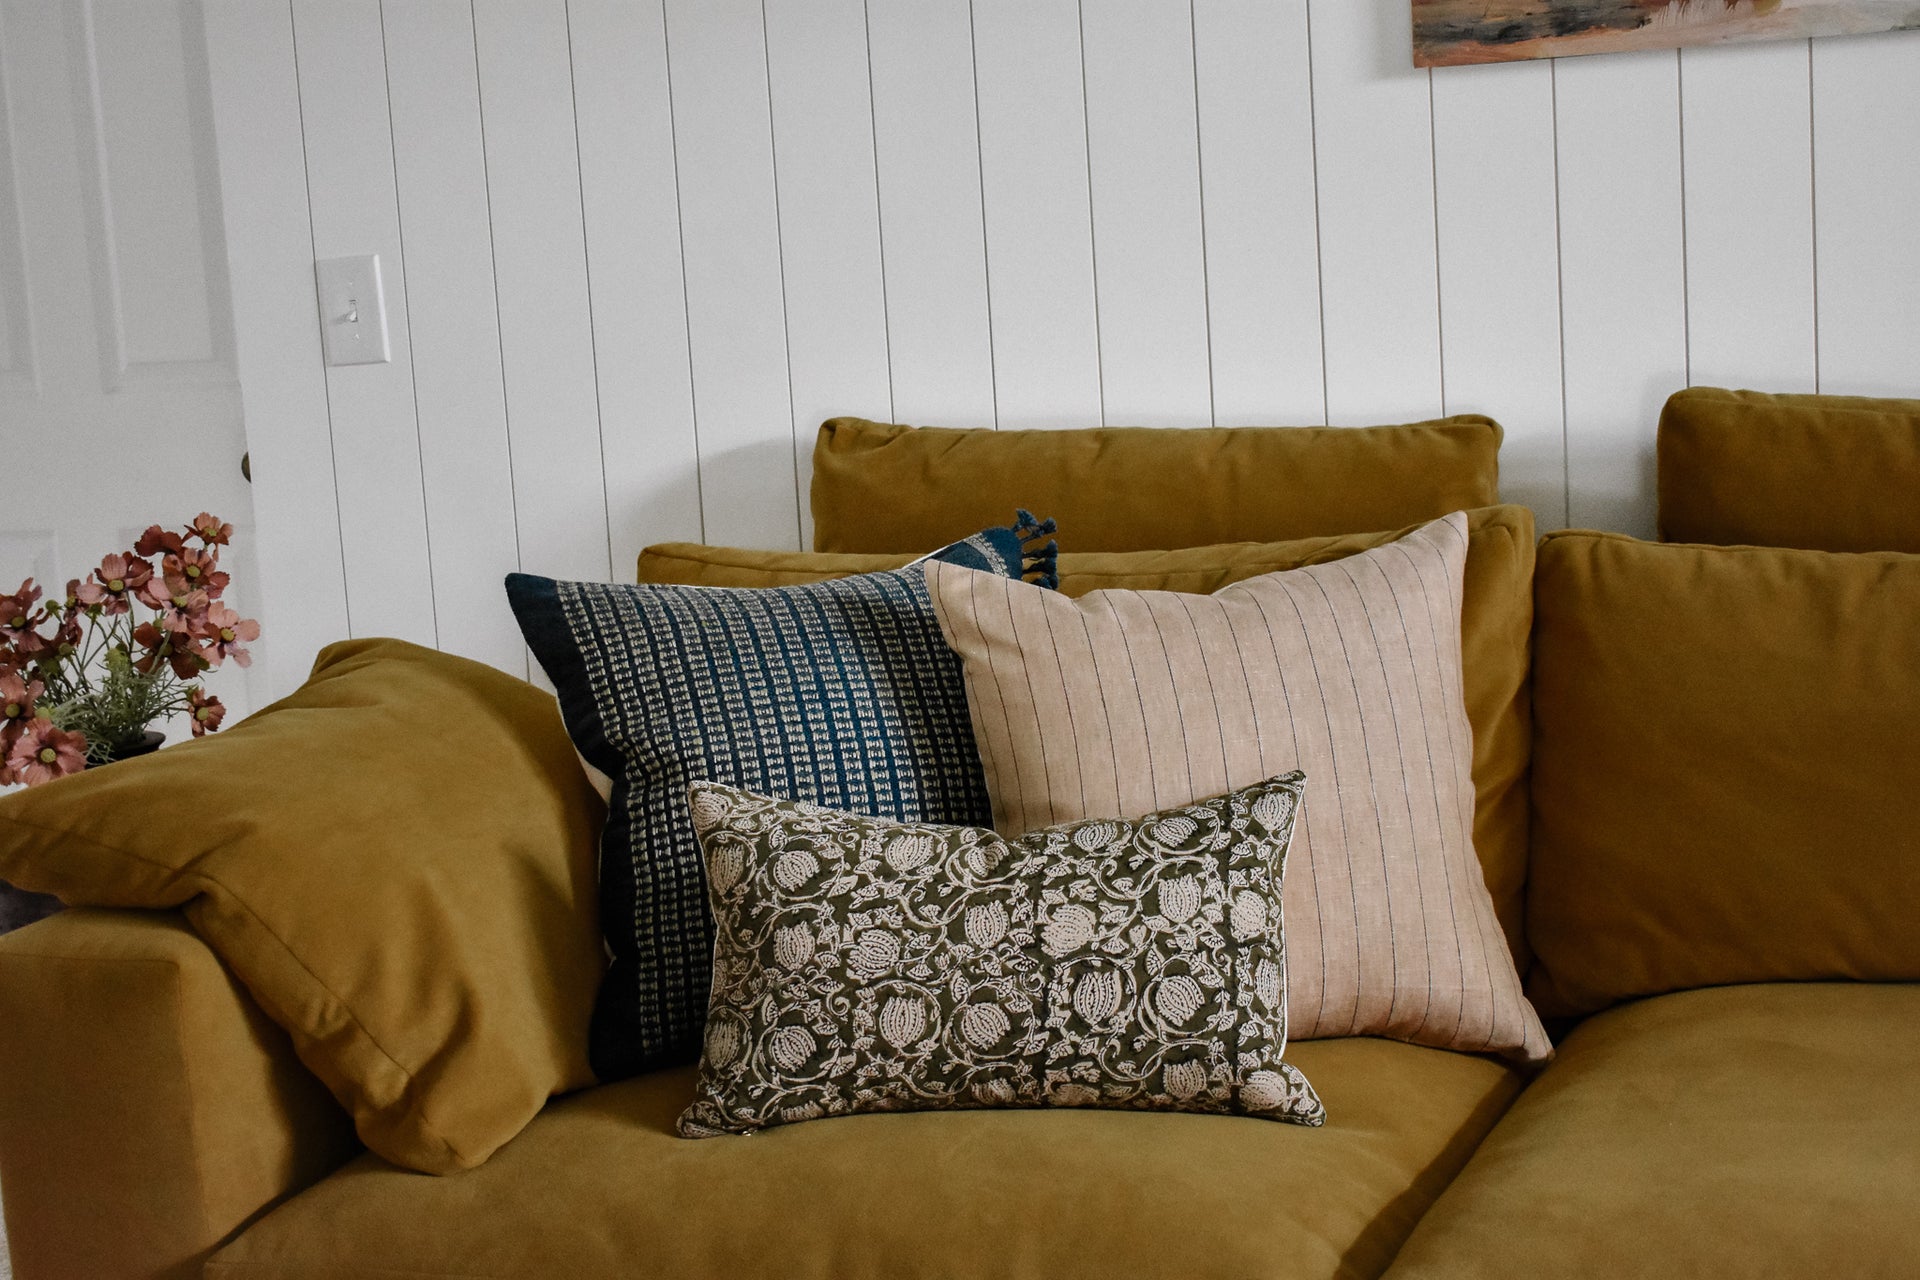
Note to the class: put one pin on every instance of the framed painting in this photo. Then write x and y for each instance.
(1455, 32)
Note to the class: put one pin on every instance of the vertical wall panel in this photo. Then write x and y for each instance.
(1149, 251)
(1623, 276)
(829, 220)
(1374, 131)
(723, 137)
(440, 170)
(1500, 269)
(1866, 94)
(1263, 241)
(630, 193)
(383, 521)
(540, 275)
(302, 582)
(1749, 198)
(933, 243)
(1033, 174)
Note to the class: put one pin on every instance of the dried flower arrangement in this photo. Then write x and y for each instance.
(85, 691)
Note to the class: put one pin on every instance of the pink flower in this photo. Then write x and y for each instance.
(17, 696)
(210, 530)
(176, 596)
(181, 650)
(224, 630)
(206, 713)
(43, 753)
(198, 569)
(113, 582)
(157, 592)
(156, 540)
(20, 620)
(185, 615)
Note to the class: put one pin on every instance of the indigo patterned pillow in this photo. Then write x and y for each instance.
(868, 965)
(841, 693)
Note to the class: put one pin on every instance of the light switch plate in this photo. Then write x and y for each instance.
(353, 310)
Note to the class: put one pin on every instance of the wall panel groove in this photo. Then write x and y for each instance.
(1379, 257)
(1254, 103)
(1144, 148)
(1749, 201)
(377, 463)
(629, 195)
(723, 134)
(1866, 258)
(1623, 276)
(926, 155)
(829, 221)
(459, 391)
(1033, 162)
(540, 274)
(1498, 232)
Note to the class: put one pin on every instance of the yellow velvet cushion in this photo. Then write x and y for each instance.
(1829, 473)
(398, 863)
(1765, 1132)
(1724, 785)
(1496, 618)
(878, 487)
(600, 1187)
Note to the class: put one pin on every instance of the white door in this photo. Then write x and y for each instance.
(119, 404)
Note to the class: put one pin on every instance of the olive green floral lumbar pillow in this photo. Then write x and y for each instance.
(862, 964)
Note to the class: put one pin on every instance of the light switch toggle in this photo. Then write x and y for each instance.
(353, 310)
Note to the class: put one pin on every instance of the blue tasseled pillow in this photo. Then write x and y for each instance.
(838, 693)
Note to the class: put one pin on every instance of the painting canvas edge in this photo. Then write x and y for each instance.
(1677, 24)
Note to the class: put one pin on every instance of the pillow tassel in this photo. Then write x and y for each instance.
(1041, 564)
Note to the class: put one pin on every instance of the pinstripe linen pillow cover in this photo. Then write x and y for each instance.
(1122, 703)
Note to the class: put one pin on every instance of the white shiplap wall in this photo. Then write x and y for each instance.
(637, 250)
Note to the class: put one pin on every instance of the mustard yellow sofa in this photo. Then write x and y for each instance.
(1700, 819)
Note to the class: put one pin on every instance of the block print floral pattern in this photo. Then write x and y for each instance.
(868, 965)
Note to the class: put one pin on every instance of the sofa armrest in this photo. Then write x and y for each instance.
(148, 1108)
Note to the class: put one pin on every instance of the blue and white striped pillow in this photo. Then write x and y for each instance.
(838, 693)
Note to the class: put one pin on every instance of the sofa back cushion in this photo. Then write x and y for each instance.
(1725, 783)
(878, 487)
(397, 861)
(1830, 473)
(1495, 621)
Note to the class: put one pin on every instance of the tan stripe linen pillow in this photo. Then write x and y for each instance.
(1122, 703)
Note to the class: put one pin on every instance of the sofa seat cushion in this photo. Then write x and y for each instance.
(599, 1186)
(1751, 1131)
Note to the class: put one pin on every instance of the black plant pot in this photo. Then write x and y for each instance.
(18, 908)
(146, 744)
